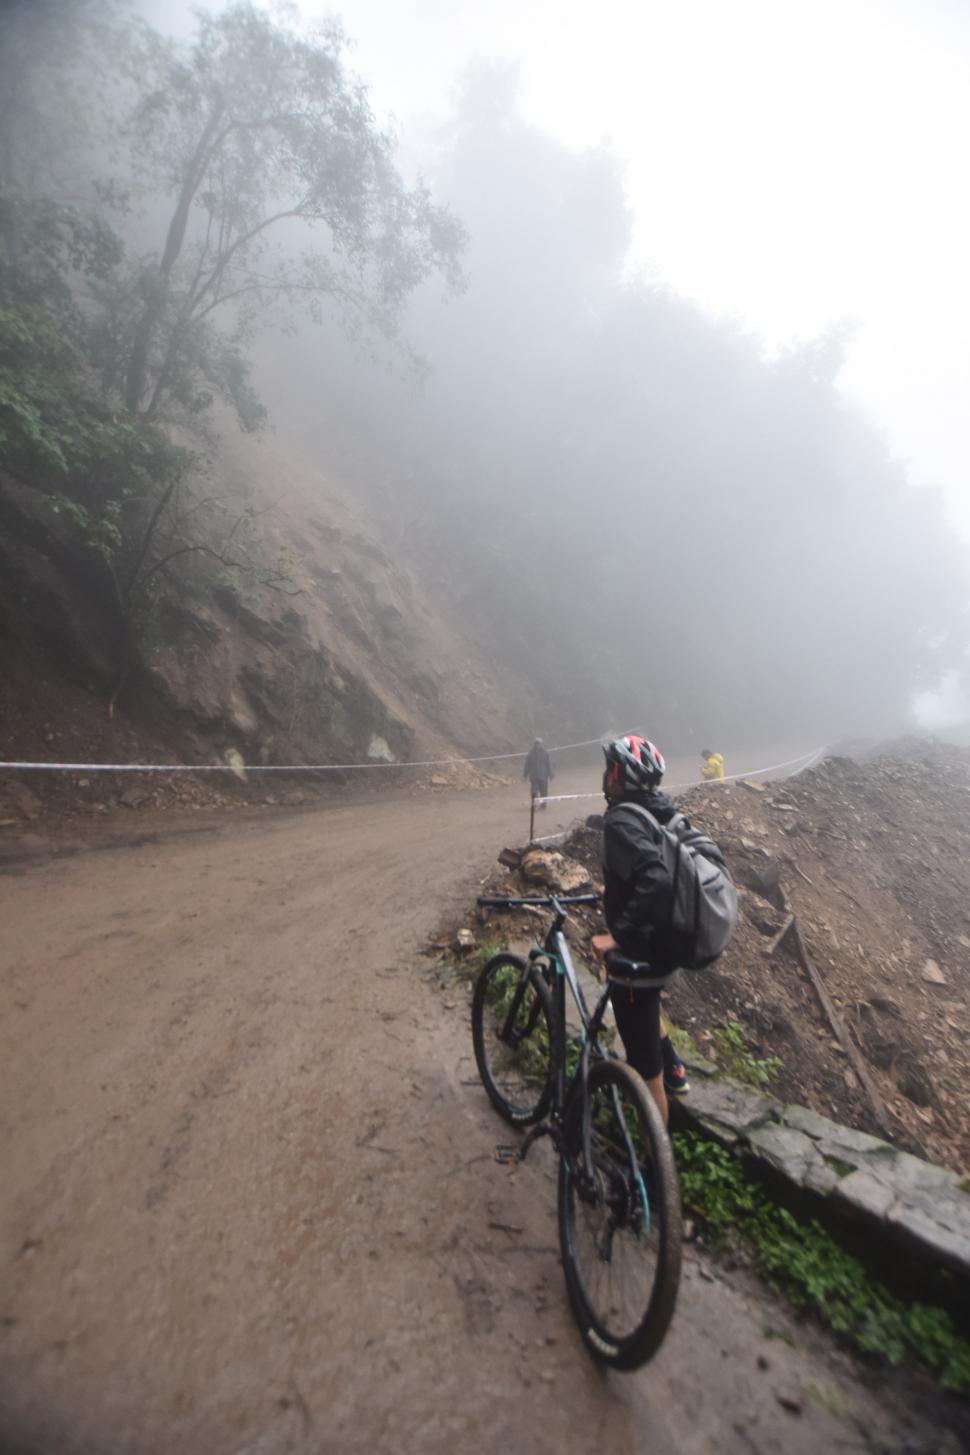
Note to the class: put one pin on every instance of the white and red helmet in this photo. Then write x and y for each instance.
(640, 763)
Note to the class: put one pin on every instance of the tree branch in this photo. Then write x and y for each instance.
(150, 529)
(272, 579)
(246, 237)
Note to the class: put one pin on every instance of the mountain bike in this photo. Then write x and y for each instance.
(620, 1224)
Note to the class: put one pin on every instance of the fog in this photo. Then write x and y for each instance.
(623, 498)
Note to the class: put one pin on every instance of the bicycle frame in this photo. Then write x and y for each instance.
(616, 1167)
(555, 949)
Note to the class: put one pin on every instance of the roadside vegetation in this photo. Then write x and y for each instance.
(803, 1262)
(735, 1058)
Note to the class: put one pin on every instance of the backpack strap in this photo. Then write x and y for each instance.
(644, 813)
(665, 836)
(689, 840)
(670, 831)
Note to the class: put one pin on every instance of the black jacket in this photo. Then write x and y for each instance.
(637, 885)
(538, 764)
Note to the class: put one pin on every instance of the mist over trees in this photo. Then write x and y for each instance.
(629, 503)
(622, 500)
(246, 175)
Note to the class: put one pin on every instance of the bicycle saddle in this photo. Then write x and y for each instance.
(639, 974)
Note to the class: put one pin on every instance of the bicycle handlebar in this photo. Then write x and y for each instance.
(549, 900)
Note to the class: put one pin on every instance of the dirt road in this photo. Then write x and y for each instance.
(249, 1201)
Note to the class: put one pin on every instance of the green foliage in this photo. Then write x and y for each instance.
(683, 1042)
(472, 966)
(102, 533)
(735, 1058)
(281, 191)
(58, 431)
(531, 1054)
(804, 1262)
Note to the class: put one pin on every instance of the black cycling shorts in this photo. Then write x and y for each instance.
(637, 1014)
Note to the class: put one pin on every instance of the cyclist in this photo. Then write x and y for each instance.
(636, 895)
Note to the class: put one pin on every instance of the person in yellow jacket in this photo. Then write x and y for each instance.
(713, 764)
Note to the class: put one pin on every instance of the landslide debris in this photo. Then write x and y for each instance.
(44, 717)
(873, 862)
(349, 654)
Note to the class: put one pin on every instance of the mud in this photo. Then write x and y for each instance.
(249, 1197)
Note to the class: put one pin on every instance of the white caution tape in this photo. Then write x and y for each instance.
(806, 760)
(267, 767)
(569, 798)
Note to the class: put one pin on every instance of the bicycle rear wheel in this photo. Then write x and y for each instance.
(512, 1032)
(620, 1225)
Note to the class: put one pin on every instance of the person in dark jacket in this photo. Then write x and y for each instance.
(636, 902)
(539, 770)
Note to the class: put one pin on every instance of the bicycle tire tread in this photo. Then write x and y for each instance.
(637, 1347)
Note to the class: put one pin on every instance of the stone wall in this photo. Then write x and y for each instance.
(909, 1216)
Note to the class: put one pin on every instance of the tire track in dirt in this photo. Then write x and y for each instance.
(250, 1201)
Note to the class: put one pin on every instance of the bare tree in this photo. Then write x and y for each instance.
(284, 192)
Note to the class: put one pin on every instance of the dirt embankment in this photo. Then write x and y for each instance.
(326, 644)
(873, 860)
(44, 717)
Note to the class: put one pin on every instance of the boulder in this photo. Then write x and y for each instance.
(554, 871)
(23, 802)
(764, 877)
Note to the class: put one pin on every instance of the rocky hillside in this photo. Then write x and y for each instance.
(873, 860)
(348, 655)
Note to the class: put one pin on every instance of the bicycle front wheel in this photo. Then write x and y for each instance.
(512, 1032)
(620, 1225)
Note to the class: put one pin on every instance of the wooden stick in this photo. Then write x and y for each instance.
(770, 948)
(850, 897)
(848, 1045)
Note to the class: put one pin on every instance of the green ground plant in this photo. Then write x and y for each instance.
(503, 989)
(735, 1058)
(684, 1043)
(472, 965)
(802, 1261)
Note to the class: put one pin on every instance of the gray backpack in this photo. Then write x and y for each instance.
(703, 902)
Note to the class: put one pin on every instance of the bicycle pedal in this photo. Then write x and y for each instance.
(507, 1154)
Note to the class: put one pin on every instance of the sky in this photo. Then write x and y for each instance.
(790, 163)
